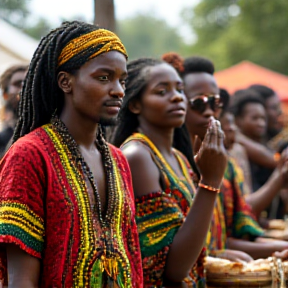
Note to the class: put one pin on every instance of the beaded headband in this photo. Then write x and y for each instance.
(101, 40)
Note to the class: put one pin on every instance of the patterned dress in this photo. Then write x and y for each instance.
(45, 210)
(232, 216)
(160, 214)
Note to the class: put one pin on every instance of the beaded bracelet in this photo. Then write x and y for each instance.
(276, 157)
(209, 188)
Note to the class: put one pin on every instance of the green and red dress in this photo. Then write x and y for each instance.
(160, 214)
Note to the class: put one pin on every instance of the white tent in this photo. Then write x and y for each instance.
(15, 46)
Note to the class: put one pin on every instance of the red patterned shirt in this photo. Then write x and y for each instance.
(45, 210)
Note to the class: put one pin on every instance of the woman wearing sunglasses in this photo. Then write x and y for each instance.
(171, 230)
(233, 220)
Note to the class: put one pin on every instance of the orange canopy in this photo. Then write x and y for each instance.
(244, 74)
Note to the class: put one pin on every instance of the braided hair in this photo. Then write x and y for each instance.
(41, 96)
(136, 83)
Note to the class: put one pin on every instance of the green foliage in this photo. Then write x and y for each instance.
(145, 35)
(14, 10)
(229, 31)
(38, 29)
(16, 13)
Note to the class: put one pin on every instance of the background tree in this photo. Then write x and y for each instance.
(104, 14)
(229, 31)
(14, 11)
(145, 35)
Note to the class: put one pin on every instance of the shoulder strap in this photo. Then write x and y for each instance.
(185, 167)
(155, 154)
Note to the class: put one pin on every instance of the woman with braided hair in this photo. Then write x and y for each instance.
(66, 200)
(171, 230)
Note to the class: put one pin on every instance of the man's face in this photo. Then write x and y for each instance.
(15, 84)
(97, 88)
(252, 122)
(199, 84)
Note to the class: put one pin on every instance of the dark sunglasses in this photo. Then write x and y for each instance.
(199, 103)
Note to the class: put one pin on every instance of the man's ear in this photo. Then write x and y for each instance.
(135, 106)
(64, 80)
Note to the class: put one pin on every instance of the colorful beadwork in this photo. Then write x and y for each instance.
(160, 214)
(95, 43)
(42, 181)
(232, 216)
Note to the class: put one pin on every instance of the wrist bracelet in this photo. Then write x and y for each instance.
(209, 188)
(276, 157)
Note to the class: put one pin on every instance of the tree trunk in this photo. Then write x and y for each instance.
(104, 14)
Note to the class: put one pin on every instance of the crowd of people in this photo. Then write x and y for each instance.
(118, 173)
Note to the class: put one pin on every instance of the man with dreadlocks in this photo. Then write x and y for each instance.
(66, 199)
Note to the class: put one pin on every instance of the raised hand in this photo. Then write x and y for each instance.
(212, 156)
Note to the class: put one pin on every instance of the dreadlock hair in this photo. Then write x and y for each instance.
(181, 140)
(197, 64)
(264, 91)
(41, 96)
(243, 97)
(136, 83)
(8, 73)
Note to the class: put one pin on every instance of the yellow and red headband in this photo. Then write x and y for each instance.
(102, 38)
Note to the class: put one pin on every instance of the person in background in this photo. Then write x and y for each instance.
(172, 230)
(11, 82)
(67, 214)
(250, 116)
(262, 198)
(235, 149)
(273, 110)
(258, 151)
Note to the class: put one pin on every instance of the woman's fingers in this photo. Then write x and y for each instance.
(220, 135)
(207, 138)
(213, 134)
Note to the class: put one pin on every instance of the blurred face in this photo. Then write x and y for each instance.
(14, 88)
(252, 122)
(229, 128)
(273, 110)
(163, 103)
(15, 84)
(97, 88)
(197, 86)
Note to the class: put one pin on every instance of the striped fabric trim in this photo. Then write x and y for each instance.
(19, 222)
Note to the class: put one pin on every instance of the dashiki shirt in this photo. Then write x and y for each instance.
(232, 216)
(45, 210)
(160, 214)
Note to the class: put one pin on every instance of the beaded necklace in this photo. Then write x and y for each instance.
(112, 259)
(103, 148)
